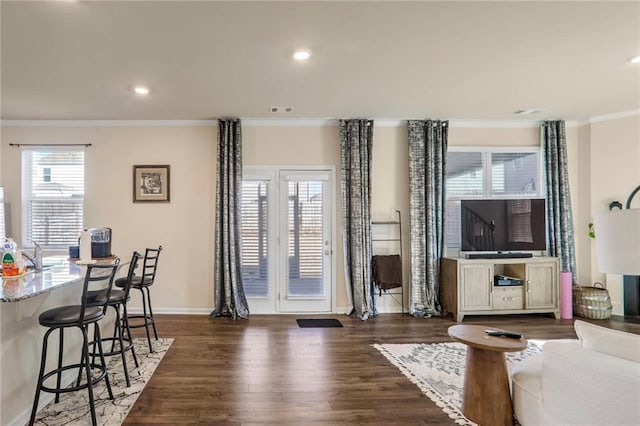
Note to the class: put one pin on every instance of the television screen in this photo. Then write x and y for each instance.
(503, 225)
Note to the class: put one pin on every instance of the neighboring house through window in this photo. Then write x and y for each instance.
(52, 197)
(502, 173)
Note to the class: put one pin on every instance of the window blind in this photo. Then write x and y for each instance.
(465, 175)
(53, 197)
(514, 174)
(305, 238)
(255, 232)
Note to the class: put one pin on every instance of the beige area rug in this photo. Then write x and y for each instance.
(438, 370)
(73, 408)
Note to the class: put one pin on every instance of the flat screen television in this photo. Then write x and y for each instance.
(503, 225)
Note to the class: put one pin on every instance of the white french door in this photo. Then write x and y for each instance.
(287, 226)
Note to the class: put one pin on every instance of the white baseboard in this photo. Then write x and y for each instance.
(203, 311)
(206, 311)
(173, 311)
(617, 308)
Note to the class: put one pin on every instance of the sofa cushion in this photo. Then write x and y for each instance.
(526, 391)
(585, 387)
(607, 341)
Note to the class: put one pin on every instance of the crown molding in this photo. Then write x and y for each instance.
(493, 124)
(289, 122)
(614, 116)
(384, 122)
(280, 122)
(108, 123)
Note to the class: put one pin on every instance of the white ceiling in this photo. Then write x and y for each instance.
(450, 60)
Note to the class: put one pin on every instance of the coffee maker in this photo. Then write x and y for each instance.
(100, 242)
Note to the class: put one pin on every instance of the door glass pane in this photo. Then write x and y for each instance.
(255, 265)
(305, 238)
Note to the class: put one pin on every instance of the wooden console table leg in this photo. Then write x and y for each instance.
(486, 397)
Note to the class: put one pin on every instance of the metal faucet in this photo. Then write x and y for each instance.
(35, 258)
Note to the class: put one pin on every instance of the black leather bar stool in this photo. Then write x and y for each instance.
(80, 316)
(142, 283)
(118, 299)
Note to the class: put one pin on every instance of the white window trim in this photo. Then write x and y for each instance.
(26, 183)
(541, 184)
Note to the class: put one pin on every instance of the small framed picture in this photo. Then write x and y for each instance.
(151, 184)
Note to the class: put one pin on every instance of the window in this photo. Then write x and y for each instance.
(488, 173)
(52, 197)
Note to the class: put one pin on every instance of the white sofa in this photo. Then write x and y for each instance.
(594, 380)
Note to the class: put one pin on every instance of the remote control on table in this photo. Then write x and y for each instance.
(500, 333)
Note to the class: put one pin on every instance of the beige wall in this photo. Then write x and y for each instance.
(390, 192)
(186, 275)
(614, 165)
(183, 226)
(467, 136)
(603, 160)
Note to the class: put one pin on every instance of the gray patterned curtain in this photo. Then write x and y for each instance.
(559, 216)
(427, 172)
(356, 141)
(229, 291)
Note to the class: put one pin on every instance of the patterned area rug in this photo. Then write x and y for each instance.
(438, 370)
(73, 408)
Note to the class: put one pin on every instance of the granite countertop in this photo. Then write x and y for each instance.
(58, 272)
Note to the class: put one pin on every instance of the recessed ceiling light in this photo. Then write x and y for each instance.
(635, 60)
(141, 90)
(301, 55)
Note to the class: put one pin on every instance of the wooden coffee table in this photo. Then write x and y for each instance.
(486, 399)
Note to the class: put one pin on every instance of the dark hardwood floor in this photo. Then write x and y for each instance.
(266, 370)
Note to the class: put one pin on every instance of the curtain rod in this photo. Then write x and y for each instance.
(50, 144)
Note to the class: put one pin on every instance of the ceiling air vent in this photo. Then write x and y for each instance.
(527, 111)
(280, 110)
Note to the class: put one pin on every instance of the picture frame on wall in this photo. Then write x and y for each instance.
(151, 183)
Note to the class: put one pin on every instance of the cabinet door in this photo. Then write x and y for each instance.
(542, 285)
(476, 286)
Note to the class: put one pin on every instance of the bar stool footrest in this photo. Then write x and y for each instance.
(94, 380)
(128, 345)
(148, 320)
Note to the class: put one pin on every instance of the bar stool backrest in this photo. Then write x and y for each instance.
(98, 276)
(135, 259)
(150, 265)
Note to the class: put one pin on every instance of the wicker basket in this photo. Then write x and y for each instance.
(591, 302)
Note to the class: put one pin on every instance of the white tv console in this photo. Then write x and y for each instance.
(467, 286)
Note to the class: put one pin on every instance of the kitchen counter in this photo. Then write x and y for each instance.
(57, 272)
(59, 284)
